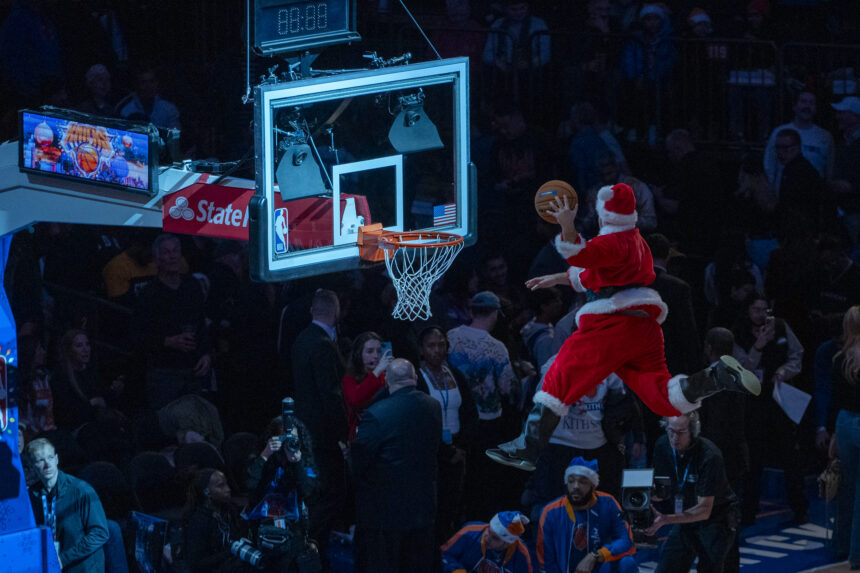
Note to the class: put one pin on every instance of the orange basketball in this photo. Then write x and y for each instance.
(88, 158)
(548, 192)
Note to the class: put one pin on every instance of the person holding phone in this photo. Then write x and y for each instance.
(766, 345)
(365, 375)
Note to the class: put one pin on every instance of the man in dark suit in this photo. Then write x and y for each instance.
(683, 353)
(317, 377)
(800, 186)
(393, 462)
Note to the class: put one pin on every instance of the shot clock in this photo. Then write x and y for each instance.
(297, 25)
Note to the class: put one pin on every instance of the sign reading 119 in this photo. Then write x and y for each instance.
(311, 17)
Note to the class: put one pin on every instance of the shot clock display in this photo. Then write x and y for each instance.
(296, 25)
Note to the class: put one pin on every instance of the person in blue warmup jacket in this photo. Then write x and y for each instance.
(583, 531)
(493, 546)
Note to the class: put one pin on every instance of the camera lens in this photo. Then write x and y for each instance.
(637, 499)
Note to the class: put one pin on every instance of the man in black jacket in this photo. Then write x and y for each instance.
(317, 376)
(71, 509)
(394, 464)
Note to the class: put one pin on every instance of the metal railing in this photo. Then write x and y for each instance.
(726, 92)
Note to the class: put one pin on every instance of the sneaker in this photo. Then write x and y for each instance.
(516, 459)
(730, 375)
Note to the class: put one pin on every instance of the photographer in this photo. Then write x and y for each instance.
(699, 504)
(288, 477)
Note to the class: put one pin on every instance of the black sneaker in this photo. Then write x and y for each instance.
(730, 375)
(513, 454)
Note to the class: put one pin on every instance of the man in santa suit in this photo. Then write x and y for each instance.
(618, 329)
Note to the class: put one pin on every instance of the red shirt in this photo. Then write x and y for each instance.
(358, 396)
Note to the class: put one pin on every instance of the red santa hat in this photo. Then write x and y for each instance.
(616, 206)
(509, 525)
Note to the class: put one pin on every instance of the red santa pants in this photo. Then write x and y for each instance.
(630, 346)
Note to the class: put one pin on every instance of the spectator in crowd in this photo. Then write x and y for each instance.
(800, 184)
(611, 174)
(459, 286)
(586, 147)
(71, 509)
(99, 87)
(520, 155)
(77, 391)
(755, 201)
(730, 438)
(583, 530)
(494, 546)
(594, 428)
(846, 442)
(211, 524)
(169, 328)
(128, 272)
(767, 346)
(816, 142)
(30, 54)
(317, 379)
(146, 102)
(702, 513)
(486, 364)
(846, 174)
(191, 418)
(683, 353)
(448, 386)
(365, 375)
(838, 285)
(394, 464)
(592, 53)
(647, 62)
(35, 399)
(691, 204)
(271, 437)
(460, 35)
(539, 333)
(516, 41)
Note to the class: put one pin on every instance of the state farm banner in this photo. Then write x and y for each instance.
(210, 210)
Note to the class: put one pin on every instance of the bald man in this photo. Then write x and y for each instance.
(393, 461)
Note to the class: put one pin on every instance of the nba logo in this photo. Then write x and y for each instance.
(282, 232)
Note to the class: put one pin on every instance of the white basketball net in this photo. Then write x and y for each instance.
(414, 270)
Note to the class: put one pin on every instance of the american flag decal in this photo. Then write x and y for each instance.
(444, 214)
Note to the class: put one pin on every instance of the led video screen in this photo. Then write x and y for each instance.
(87, 148)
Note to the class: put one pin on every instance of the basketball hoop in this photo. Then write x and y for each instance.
(415, 261)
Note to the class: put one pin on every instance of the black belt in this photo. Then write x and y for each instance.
(607, 292)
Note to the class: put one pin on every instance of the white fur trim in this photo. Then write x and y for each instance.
(613, 219)
(677, 398)
(625, 299)
(502, 531)
(567, 250)
(573, 279)
(557, 406)
(609, 229)
(588, 473)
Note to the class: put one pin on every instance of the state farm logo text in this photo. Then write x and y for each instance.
(208, 212)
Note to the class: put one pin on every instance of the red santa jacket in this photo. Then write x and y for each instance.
(618, 256)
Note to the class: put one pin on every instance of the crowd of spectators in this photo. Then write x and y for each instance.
(144, 356)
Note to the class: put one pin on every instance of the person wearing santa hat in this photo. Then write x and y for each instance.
(618, 329)
(493, 546)
(584, 527)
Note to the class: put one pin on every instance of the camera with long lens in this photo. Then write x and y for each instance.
(638, 487)
(290, 439)
(245, 550)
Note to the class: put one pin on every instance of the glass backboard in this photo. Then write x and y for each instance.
(337, 152)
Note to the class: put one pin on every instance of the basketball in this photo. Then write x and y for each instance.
(555, 189)
(88, 158)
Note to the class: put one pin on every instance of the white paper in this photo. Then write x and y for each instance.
(792, 401)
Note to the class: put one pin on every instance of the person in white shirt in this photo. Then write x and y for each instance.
(817, 142)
